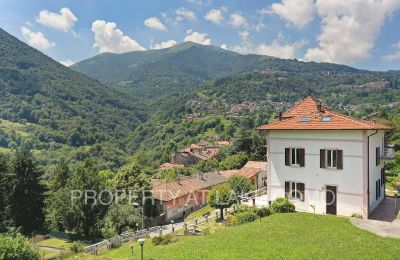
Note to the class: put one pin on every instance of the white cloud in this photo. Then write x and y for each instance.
(155, 23)
(395, 55)
(245, 46)
(281, 50)
(108, 38)
(196, 37)
(199, 2)
(223, 46)
(63, 21)
(296, 12)
(164, 44)
(215, 16)
(36, 39)
(184, 14)
(66, 63)
(349, 28)
(237, 20)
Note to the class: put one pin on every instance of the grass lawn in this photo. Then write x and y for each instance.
(55, 242)
(297, 235)
(199, 213)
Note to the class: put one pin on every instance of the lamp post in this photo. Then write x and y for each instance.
(132, 251)
(172, 227)
(141, 242)
(142, 208)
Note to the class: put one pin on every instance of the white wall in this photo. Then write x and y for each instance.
(349, 181)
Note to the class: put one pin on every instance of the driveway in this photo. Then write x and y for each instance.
(387, 210)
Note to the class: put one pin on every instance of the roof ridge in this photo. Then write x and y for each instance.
(358, 121)
(296, 105)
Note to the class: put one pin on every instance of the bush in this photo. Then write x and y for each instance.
(16, 248)
(398, 215)
(242, 208)
(164, 240)
(282, 205)
(263, 212)
(76, 247)
(244, 217)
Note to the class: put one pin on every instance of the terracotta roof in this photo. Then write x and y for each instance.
(305, 116)
(248, 172)
(176, 189)
(169, 166)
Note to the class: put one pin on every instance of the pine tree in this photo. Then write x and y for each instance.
(24, 200)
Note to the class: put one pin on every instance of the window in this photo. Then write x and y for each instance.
(295, 155)
(331, 158)
(294, 190)
(378, 156)
(305, 119)
(326, 119)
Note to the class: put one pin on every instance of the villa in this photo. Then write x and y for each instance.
(325, 161)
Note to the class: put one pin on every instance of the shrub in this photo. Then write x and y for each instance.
(16, 248)
(244, 217)
(282, 205)
(398, 215)
(164, 240)
(263, 212)
(242, 208)
(76, 247)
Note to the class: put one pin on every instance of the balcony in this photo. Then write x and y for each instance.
(388, 153)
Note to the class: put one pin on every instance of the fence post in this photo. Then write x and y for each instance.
(254, 202)
(160, 232)
(185, 226)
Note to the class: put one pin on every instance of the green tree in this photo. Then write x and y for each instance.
(121, 217)
(3, 188)
(25, 193)
(221, 197)
(240, 184)
(60, 177)
(18, 247)
(235, 161)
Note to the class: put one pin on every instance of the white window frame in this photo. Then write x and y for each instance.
(296, 191)
(332, 151)
(296, 152)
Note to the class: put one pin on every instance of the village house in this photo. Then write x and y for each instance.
(330, 161)
(179, 198)
(195, 153)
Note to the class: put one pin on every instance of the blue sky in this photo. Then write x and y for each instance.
(360, 33)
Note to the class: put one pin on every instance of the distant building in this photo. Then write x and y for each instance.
(325, 159)
(200, 151)
(253, 170)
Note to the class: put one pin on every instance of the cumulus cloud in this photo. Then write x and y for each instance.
(215, 16)
(296, 12)
(36, 39)
(155, 23)
(63, 21)
(201, 38)
(108, 38)
(281, 50)
(164, 44)
(184, 14)
(66, 63)
(237, 20)
(245, 46)
(349, 28)
(395, 55)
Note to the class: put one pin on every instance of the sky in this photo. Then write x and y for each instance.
(361, 33)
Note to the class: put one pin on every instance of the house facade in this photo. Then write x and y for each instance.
(325, 161)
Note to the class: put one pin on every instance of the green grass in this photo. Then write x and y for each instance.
(199, 213)
(297, 235)
(55, 242)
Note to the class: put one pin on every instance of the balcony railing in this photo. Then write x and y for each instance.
(388, 153)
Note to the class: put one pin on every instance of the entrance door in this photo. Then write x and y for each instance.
(331, 200)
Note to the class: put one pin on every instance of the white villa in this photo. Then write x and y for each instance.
(324, 160)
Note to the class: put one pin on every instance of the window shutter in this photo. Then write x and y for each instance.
(287, 156)
(383, 176)
(287, 189)
(301, 188)
(378, 155)
(322, 158)
(302, 157)
(340, 159)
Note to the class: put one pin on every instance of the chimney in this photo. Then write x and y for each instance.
(280, 116)
(319, 107)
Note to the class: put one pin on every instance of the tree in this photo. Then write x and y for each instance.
(60, 177)
(25, 193)
(17, 248)
(240, 185)
(235, 161)
(221, 197)
(3, 188)
(119, 218)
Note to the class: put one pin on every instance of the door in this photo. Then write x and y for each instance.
(331, 200)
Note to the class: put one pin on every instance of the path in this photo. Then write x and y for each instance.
(387, 210)
(380, 228)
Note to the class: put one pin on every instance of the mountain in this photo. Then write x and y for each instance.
(155, 73)
(56, 106)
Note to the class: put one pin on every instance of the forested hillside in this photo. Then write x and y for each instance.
(156, 73)
(57, 108)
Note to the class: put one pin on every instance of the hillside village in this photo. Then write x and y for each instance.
(199, 130)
